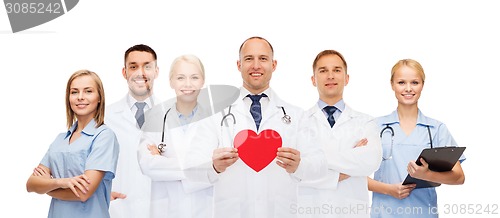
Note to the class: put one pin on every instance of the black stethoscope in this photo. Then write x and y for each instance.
(391, 130)
(162, 145)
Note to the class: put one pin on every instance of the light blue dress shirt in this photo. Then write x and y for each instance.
(185, 120)
(340, 105)
(95, 149)
(421, 202)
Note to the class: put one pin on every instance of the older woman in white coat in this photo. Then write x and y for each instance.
(171, 194)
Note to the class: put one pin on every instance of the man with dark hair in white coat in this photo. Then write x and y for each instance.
(131, 189)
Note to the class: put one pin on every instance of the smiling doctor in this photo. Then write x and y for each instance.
(349, 139)
(131, 189)
(172, 195)
(242, 189)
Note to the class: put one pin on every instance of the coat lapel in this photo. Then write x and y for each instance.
(273, 108)
(344, 117)
(320, 116)
(122, 110)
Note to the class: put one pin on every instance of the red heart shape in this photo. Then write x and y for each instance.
(257, 151)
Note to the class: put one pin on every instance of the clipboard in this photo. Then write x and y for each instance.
(440, 159)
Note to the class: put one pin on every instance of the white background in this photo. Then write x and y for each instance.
(457, 42)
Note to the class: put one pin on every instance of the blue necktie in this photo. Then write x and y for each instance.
(255, 108)
(139, 115)
(330, 110)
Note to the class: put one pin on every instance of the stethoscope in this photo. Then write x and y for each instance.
(162, 145)
(391, 130)
(286, 119)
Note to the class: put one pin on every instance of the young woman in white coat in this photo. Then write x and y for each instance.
(172, 195)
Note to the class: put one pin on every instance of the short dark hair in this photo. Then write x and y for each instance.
(139, 47)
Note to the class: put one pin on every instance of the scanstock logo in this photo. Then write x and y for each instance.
(25, 14)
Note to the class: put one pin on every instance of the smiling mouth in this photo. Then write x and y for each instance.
(408, 96)
(188, 92)
(81, 105)
(140, 81)
(256, 74)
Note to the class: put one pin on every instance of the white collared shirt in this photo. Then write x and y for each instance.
(264, 102)
(131, 103)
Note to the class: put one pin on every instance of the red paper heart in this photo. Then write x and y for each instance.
(257, 151)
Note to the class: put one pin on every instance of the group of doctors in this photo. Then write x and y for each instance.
(187, 161)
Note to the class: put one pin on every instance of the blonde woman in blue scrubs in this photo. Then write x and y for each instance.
(80, 164)
(410, 130)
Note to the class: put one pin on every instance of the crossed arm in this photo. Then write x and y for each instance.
(362, 142)
(77, 188)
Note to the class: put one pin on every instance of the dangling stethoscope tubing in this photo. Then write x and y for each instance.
(391, 130)
(162, 145)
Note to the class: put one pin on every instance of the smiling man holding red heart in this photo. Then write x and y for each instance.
(237, 154)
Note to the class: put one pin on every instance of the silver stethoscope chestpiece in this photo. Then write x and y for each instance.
(286, 119)
(161, 147)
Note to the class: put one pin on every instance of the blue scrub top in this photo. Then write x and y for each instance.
(421, 202)
(95, 149)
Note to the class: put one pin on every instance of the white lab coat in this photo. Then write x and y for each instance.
(350, 197)
(240, 191)
(129, 178)
(172, 195)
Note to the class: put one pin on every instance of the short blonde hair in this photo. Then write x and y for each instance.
(70, 114)
(192, 59)
(413, 64)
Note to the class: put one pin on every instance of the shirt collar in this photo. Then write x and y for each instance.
(191, 115)
(89, 130)
(131, 102)
(340, 105)
(244, 92)
(421, 119)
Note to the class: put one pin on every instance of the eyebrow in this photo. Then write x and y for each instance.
(183, 74)
(409, 80)
(145, 63)
(336, 67)
(88, 87)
